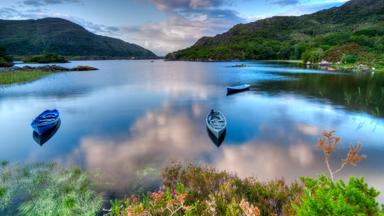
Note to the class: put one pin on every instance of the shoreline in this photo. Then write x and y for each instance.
(26, 74)
(357, 68)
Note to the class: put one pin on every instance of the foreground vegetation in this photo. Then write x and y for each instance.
(196, 190)
(11, 77)
(47, 189)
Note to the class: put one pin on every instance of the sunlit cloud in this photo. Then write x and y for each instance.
(38, 3)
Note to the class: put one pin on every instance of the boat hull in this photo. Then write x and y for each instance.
(41, 139)
(42, 129)
(218, 130)
(214, 139)
(216, 133)
(237, 89)
(45, 121)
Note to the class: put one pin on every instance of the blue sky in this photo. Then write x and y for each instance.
(160, 25)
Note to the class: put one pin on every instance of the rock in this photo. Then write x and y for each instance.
(83, 68)
(240, 65)
(27, 68)
(50, 68)
(325, 63)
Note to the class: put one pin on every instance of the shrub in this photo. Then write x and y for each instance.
(324, 197)
(349, 59)
(313, 55)
(336, 53)
(199, 190)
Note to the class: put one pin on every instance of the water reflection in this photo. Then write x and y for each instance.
(129, 119)
(136, 159)
(361, 92)
(134, 162)
(41, 139)
(217, 140)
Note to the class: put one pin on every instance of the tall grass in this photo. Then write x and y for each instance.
(45, 189)
(11, 77)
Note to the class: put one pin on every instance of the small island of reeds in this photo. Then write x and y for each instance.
(27, 74)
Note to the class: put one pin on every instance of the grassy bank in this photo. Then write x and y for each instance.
(354, 67)
(23, 76)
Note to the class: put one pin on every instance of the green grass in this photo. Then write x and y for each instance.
(46, 189)
(348, 67)
(23, 76)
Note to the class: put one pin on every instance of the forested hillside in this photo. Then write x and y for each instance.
(55, 35)
(353, 32)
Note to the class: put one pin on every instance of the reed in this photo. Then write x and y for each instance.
(12, 77)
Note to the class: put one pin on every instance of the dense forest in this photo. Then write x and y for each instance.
(351, 33)
(60, 36)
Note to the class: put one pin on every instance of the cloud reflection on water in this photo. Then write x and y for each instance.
(165, 135)
(157, 139)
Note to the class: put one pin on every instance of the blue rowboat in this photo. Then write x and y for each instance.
(238, 88)
(216, 123)
(45, 121)
(41, 139)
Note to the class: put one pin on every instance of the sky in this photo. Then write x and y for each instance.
(161, 26)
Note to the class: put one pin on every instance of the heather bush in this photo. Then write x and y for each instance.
(325, 197)
(198, 190)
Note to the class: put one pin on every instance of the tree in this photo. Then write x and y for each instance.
(313, 55)
(5, 60)
(349, 59)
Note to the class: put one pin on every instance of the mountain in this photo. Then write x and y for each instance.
(60, 36)
(353, 31)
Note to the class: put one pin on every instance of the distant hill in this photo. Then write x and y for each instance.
(353, 31)
(60, 36)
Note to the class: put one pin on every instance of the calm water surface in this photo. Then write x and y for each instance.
(130, 118)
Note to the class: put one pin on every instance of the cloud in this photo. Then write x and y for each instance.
(165, 5)
(181, 30)
(10, 13)
(187, 21)
(311, 8)
(285, 2)
(38, 3)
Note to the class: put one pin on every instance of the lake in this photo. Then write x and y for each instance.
(126, 121)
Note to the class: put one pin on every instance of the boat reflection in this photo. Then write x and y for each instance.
(215, 140)
(43, 138)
